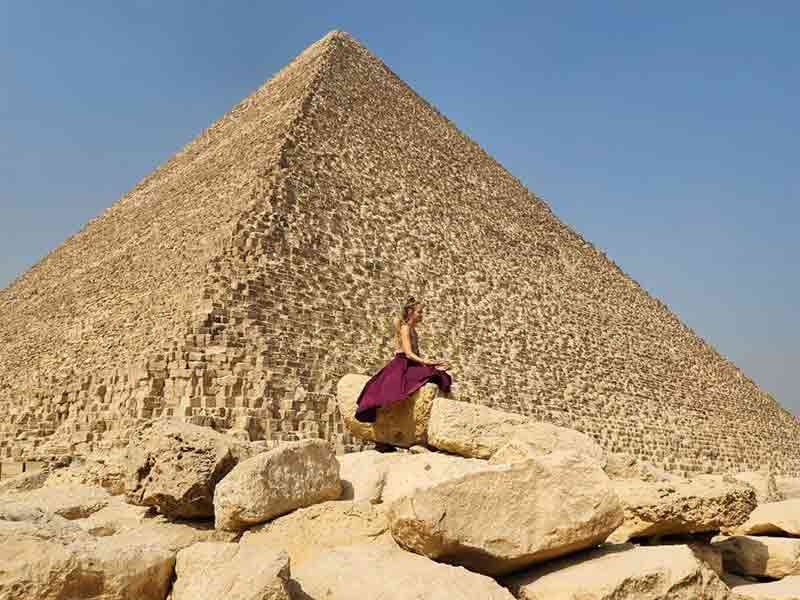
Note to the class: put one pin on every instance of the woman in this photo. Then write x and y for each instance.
(405, 373)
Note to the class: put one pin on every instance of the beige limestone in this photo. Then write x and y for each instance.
(762, 556)
(314, 530)
(363, 474)
(764, 483)
(773, 518)
(621, 572)
(476, 431)
(24, 482)
(626, 466)
(291, 476)
(106, 470)
(402, 424)
(384, 572)
(654, 509)
(787, 588)
(226, 571)
(176, 466)
(788, 487)
(506, 517)
(68, 501)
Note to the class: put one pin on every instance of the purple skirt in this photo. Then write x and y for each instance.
(400, 378)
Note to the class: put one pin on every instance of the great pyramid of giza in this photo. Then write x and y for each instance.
(239, 281)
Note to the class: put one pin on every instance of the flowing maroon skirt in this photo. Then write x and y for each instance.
(400, 378)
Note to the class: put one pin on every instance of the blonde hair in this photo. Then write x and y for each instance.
(405, 313)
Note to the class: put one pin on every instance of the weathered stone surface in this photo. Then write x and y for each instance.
(384, 572)
(107, 470)
(402, 424)
(621, 572)
(307, 532)
(626, 466)
(476, 431)
(24, 483)
(363, 474)
(764, 483)
(773, 518)
(291, 476)
(693, 506)
(506, 517)
(787, 588)
(788, 487)
(226, 571)
(175, 467)
(68, 501)
(43, 562)
(762, 556)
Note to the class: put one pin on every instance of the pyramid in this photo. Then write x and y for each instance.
(238, 282)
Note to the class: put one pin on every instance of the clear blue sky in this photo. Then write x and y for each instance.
(666, 133)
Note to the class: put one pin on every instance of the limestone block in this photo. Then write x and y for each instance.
(273, 483)
(68, 501)
(626, 466)
(106, 470)
(773, 518)
(476, 431)
(762, 556)
(788, 487)
(506, 517)
(309, 531)
(654, 509)
(402, 424)
(228, 571)
(385, 572)
(787, 588)
(175, 467)
(764, 483)
(621, 572)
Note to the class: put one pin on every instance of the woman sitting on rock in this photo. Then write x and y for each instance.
(405, 373)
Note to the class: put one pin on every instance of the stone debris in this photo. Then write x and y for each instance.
(273, 483)
(385, 572)
(621, 572)
(227, 571)
(506, 517)
(787, 588)
(402, 424)
(692, 506)
(759, 556)
(773, 518)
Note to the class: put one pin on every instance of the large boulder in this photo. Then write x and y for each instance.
(56, 560)
(476, 431)
(506, 517)
(787, 588)
(693, 506)
(621, 572)
(106, 470)
(384, 572)
(176, 466)
(226, 571)
(404, 423)
(307, 532)
(761, 556)
(773, 518)
(68, 501)
(291, 476)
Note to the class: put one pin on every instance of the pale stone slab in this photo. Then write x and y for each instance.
(506, 517)
(385, 572)
(227, 571)
(405, 423)
(621, 572)
(307, 532)
(774, 518)
(291, 476)
(692, 506)
(762, 556)
(626, 466)
(788, 487)
(477, 431)
(787, 588)
(68, 501)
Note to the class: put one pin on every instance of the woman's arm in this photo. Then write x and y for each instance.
(405, 343)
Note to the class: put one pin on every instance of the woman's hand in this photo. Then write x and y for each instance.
(437, 364)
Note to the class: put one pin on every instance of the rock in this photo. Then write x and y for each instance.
(692, 506)
(24, 483)
(44, 561)
(97, 470)
(626, 466)
(307, 532)
(385, 572)
(476, 431)
(760, 556)
(382, 477)
(405, 423)
(787, 588)
(773, 518)
(788, 487)
(273, 483)
(175, 467)
(225, 571)
(621, 572)
(506, 517)
(763, 482)
(68, 501)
